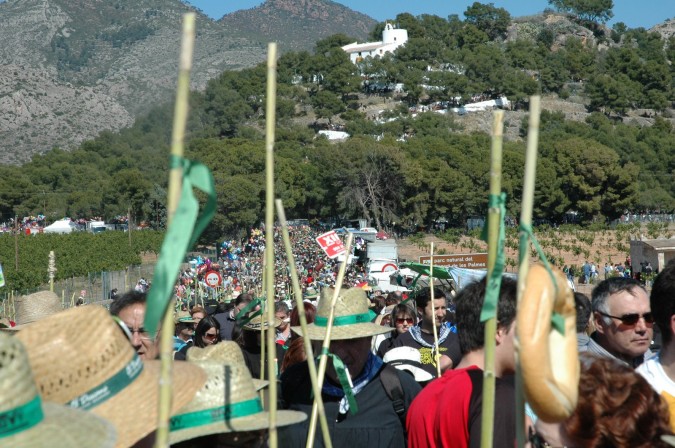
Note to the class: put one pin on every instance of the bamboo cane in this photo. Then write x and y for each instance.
(524, 245)
(494, 215)
(437, 353)
(173, 197)
(270, 121)
(323, 359)
(300, 304)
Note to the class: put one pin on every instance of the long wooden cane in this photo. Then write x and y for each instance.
(173, 197)
(524, 244)
(300, 304)
(494, 216)
(270, 120)
(437, 353)
(323, 359)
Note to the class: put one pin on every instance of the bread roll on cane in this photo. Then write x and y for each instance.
(549, 361)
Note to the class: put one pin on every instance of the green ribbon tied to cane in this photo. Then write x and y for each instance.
(343, 377)
(243, 317)
(494, 282)
(526, 232)
(185, 228)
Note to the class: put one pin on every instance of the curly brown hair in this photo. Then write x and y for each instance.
(617, 408)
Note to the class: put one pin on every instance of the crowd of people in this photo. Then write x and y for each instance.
(402, 370)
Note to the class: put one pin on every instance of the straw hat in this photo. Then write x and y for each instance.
(81, 357)
(257, 322)
(34, 307)
(183, 317)
(310, 293)
(223, 352)
(228, 402)
(352, 317)
(34, 423)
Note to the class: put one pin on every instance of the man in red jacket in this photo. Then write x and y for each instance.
(447, 413)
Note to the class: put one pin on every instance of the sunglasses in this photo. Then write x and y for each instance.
(403, 320)
(633, 318)
(210, 336)
(537, 441)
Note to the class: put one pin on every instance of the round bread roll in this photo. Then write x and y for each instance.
(549, 361)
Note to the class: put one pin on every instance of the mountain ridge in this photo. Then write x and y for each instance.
(73, 68)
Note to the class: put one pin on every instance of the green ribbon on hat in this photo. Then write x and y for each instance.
(21, 418)
(109, 388)
(494, 282)
(183, 232)
(220, 414)
(349, 319)
(343, 377)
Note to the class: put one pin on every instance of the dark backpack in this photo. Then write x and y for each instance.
(394, 390)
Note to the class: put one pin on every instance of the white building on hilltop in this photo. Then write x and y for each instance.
(392, 38)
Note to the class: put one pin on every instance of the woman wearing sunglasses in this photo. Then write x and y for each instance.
(402, 318)
(207, 333)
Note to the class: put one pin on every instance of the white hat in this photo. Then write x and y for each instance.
(409, 359)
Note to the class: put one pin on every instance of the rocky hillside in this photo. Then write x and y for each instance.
(70, 69)
(291, 21)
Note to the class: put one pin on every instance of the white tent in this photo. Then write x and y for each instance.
(62, 226)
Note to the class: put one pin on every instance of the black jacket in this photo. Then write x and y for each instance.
(375, 425)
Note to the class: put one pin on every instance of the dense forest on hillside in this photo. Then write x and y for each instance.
(599, 168)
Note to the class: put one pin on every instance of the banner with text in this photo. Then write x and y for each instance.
(466, 261)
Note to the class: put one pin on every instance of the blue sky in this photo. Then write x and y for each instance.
(634, 13)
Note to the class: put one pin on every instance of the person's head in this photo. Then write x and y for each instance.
(198, 313)
(207, 332)
(352, 330)
(184, 325)
(240, 303)
(617, 407)
(282, 312)
(402, 318)
(310, 313)
(623, 318)
(662, 302)
(393, 298)
(583, 306)
(130, 308)
(429, 311)
(471, 331)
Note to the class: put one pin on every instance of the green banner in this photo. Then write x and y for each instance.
(183, 232)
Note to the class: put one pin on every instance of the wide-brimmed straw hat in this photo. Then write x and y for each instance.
(310, 293)
(223, 352)
(257, 323)
(33, 307)
(183, 317)
(352, 318)
(228, 402)
(81, 357)
(30, 422)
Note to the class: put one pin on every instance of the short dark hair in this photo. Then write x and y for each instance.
(583, 306)
(423, 296)
(243, 298)
(281, 307)
(469, 303)
(608, 287)
(400, 310)
(662, 300)
(127, 299)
